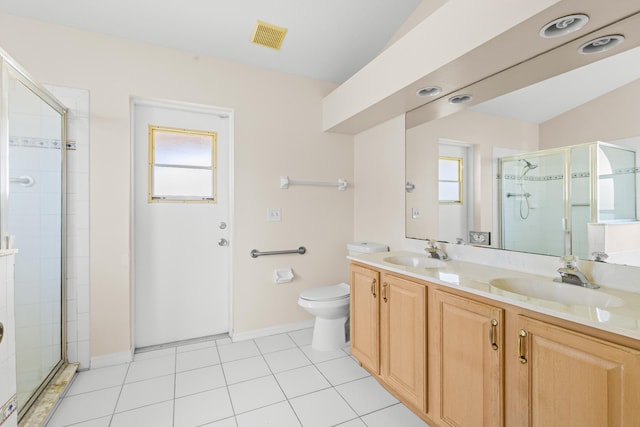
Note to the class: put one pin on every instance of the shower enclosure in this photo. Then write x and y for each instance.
(32, 212)
(551, 200)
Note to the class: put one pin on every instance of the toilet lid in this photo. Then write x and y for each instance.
(326, 293)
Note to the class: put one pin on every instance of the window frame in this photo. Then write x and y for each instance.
(151, 198)
(460, 200)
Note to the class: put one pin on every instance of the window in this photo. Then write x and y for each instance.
(182, 165)
(450, 180)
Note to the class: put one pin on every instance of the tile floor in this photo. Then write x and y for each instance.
(272, 381)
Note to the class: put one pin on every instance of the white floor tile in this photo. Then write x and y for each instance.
(254, 394)
(158, 415)
(154, 354)
(97, 379)
(297, 382)
(99, 422)
(353, 423)
(323, 408)
(84, 407)
(274, 343)
(302, 337)
(366, 395)
(145, 369)
(245, 369)
(199, 380)
(397, 415)
(228, 422)
(342, 370)
(278, 415)
(147, 392)
(197, 359)
(238, 350)
(286, 359)
(202, 408)
(317, 356)
(196, 346)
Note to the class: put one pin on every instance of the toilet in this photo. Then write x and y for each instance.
(330, 305)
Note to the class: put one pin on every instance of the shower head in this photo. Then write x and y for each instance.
(528, 164)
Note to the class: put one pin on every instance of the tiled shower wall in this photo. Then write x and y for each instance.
(78, 285)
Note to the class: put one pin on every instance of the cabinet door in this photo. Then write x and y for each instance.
(570, 379)
(470, 355)
(403, 338)
(364, 319)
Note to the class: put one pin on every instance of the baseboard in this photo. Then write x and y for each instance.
(280, 329)
(111, 359)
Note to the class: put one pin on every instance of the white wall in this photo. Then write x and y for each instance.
(277, 132)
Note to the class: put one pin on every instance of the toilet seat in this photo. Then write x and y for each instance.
(326, 293)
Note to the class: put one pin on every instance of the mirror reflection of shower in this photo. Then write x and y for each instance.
(525, 208)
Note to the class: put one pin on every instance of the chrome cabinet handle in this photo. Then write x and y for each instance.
(492, 334)
(373, 287)
(522, 334)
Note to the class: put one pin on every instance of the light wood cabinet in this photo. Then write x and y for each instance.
(458, 359)
(404, 339)
(468, 348)
(565, 378)
(364, 320)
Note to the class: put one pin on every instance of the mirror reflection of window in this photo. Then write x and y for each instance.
(182, 165)
(450, 180)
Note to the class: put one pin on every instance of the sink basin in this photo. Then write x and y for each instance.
(416, 261)
(558, 292)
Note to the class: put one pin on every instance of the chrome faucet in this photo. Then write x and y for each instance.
(434, 251)
(570, 273)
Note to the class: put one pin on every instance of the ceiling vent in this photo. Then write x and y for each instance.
(268, 35)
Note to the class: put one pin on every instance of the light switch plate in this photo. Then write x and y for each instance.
(480, 237)
(274, 214)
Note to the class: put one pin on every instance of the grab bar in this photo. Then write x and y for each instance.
(256, 253)
(25, 180)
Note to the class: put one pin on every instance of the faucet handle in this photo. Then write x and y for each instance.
(599, 256)
(432, 244)
(569, 261)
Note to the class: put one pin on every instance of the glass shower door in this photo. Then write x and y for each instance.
(35, 222)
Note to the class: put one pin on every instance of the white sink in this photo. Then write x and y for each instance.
(563, 293)
(416, 261)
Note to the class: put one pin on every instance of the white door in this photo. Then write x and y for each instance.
(181, 254)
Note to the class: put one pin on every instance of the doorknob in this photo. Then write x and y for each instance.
(223, 242)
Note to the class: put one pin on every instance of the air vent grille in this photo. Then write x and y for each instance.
(268, 35)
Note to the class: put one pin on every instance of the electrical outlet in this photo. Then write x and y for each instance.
(480, 237)
(274, 215)
(415, 213)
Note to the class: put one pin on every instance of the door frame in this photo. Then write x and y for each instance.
(186, 107)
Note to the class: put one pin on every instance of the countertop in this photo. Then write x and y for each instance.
(474, 279)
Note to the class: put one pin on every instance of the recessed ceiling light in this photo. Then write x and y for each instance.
(429, 91)
(563, 26)
(601, 44)
(460, 99)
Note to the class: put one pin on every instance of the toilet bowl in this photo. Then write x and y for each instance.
(330, 306)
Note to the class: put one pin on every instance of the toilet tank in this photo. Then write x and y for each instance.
(355, 248)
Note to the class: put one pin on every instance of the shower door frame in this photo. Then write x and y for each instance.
(11, 69)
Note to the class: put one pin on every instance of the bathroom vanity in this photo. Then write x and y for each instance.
(461, 348)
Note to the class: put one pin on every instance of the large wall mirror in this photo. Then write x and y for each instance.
(549, 153)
